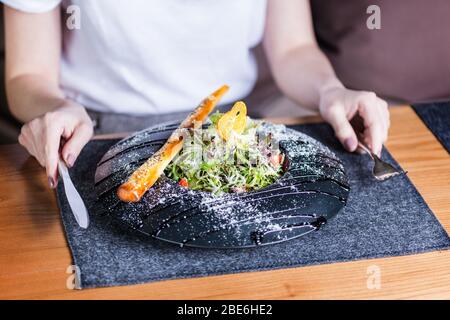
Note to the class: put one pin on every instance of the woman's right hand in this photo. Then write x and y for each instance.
(339, 105)
(42, 137)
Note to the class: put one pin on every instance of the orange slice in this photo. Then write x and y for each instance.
(234, 120)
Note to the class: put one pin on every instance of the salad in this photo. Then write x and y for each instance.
(230, 155)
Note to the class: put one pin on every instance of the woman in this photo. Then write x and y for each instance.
(154, 57)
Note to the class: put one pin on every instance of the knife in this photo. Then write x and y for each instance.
(73, 197)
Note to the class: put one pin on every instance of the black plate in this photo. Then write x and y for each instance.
(313, 189)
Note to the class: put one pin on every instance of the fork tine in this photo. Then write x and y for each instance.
(383, 170)
(385, 176)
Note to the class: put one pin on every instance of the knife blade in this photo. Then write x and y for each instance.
(73, 197)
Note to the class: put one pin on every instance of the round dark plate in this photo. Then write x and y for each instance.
(313, 189)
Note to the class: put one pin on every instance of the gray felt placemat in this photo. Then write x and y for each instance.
(382, 219)
(436, 116)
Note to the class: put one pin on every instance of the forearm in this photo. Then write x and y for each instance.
(32, 95)
(306, 76)
(303, 73)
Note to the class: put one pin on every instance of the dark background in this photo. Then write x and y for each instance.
(9, 127)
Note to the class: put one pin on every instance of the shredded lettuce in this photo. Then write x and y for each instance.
(241, 164)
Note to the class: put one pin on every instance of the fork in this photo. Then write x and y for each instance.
(381, 170)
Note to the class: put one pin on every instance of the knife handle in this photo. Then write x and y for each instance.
(75, 201)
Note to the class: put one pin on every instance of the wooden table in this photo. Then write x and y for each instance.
(34, 254)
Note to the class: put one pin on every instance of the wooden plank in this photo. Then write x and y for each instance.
(34, 255)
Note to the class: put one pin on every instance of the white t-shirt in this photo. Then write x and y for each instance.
(156, 56)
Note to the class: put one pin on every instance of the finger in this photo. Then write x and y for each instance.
(27, 142)
(342, 128)
(75, 144)
(51, 151)
(382, 120)
(24, 141)
(373, 137)
(383, 107)
(374, 127)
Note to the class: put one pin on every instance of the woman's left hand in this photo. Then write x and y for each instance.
(338, 106)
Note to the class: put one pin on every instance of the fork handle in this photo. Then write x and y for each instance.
(366, 149)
